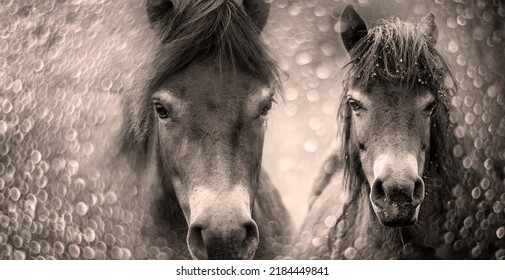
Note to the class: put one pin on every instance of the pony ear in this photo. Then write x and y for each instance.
(428, 27)
(258, 10)
(157, 9)
(355, 27)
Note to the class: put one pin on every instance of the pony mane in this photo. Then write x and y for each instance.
(396, 52)
(194, 30)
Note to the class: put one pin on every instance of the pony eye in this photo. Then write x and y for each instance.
(266, 108)
(162, 112)
(431, 107)
(355, 106)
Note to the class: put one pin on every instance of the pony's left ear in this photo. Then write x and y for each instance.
(157, 9)
(355, 27)
(428, 27)
(258, 10)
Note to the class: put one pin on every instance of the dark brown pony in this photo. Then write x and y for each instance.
(396, 166)
(196, 134)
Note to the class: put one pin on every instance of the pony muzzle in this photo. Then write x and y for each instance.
(397, 205)
(238, 242)
(223, 229)
(397, 192)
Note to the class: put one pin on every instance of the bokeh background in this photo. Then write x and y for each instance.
(65, 63)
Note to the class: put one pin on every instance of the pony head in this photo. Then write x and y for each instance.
(395, 110)
(203, 119)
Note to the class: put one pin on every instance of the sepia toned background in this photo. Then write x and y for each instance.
(65, 63)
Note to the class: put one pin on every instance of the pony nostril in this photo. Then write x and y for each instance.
(252, 233)
(196, 243)
(361, 146)
(418, 194)
(252, 239)
(378, 192)
(238, 242)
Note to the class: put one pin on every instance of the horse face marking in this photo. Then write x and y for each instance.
(391, 131)
(212, 143)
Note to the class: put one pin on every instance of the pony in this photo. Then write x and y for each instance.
(396, 166)
(196, 133)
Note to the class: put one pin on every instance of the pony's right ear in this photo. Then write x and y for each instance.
(258, 10)
(157, 9)
(355, 27)
(428, 27)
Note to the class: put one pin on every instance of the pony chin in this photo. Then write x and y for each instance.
(397, 215)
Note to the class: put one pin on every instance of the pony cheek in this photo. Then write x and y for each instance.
(256, 137)
(173, 150)
(182, 194)
(424, 150)
(421, 161)
(367, 166)
(365, 155)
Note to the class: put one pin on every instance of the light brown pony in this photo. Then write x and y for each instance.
(197, 133)
(396, 155)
